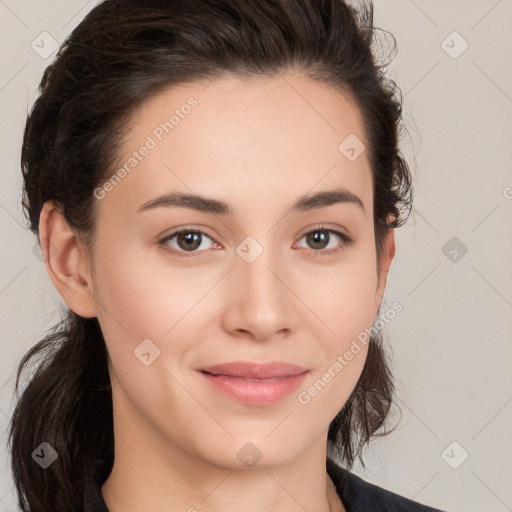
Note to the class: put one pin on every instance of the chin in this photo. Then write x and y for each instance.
(253, 452)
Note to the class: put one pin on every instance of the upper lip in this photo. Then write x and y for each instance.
(249, 370)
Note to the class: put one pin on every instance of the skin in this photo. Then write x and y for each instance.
(258, 146)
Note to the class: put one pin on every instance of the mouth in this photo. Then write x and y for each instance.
(255, 384)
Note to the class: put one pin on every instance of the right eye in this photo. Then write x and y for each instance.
(187, 241)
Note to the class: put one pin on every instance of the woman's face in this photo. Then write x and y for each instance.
(263, 284)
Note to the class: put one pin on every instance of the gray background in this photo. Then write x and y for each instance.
(451, 344)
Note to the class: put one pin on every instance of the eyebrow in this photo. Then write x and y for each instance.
(204, 204)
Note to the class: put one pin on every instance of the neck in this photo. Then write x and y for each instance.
(149, 484)
(150, 473)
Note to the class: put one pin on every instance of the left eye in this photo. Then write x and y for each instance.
(320, 236)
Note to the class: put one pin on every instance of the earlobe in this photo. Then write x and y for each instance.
(386, 260)
(66, 261)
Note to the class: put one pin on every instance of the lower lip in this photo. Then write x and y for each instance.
(251, 392)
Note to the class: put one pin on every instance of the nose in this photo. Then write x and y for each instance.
(260, 301)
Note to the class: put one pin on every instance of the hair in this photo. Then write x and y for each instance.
(123, 53)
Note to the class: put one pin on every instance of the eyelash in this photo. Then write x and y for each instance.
(346, 241)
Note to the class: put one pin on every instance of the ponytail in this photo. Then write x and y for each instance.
(68, 405)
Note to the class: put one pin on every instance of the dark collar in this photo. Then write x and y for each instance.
(359, 495)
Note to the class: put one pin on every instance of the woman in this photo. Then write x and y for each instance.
(215, 186)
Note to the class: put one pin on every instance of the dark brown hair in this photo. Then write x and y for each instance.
(121, 54)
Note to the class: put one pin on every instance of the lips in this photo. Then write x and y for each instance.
(254, 384)
(247, 370)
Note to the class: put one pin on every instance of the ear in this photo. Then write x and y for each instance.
(66, 261)
(386, 259)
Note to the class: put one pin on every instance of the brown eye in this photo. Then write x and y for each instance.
(186, 240)
(326, 241)
(318, 239)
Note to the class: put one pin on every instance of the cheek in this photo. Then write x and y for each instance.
(342, 295)
(348, 315)
(343, 300)
(141, 296)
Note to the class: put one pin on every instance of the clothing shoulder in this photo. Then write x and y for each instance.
(359, 495)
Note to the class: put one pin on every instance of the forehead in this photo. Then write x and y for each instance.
(235, 138)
